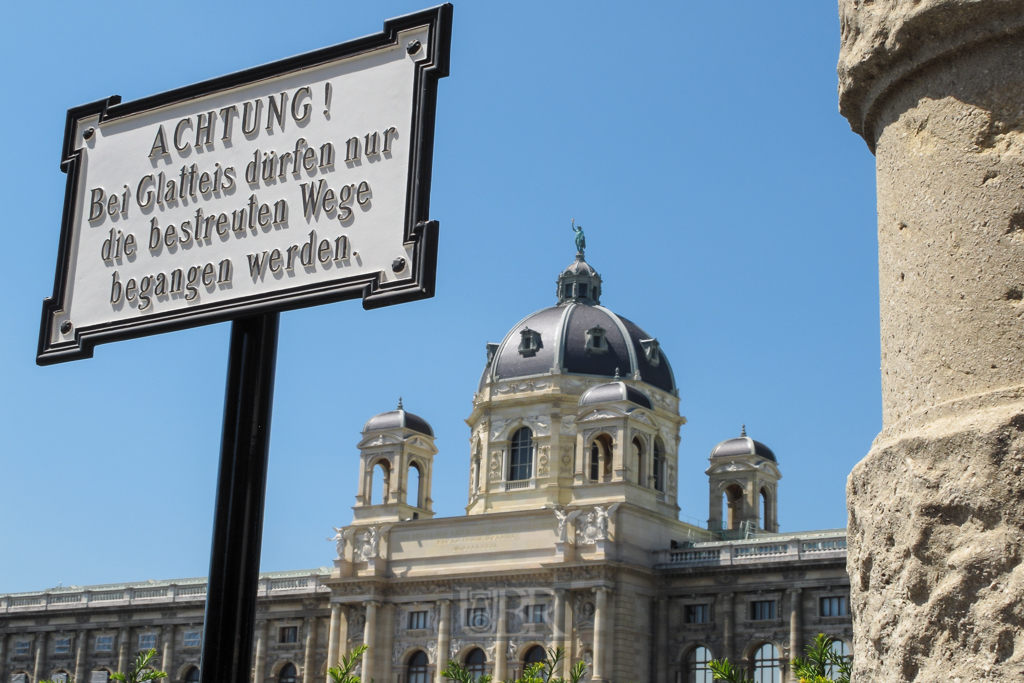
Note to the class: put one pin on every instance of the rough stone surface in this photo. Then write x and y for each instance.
(936, 87)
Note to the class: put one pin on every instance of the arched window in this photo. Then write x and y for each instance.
(192, 675)
(380, 497)
(595, 462)
(734, 501)
(288, 674)
(418, 667)
(766, 664)
(535, 654)
(476, 663)
(415, 486)
(764, 509)
(697, 670)
(843, 650)
(638, 458)
(522, 455)
(657, 463)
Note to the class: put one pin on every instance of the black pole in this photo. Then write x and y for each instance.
(238, 514)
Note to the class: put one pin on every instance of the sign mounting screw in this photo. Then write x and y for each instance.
(398, 265)
(65, 327)
(413, 47)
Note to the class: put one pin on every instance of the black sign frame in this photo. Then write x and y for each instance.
(420, 231)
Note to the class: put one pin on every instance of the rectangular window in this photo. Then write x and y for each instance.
(147, 641)
(193, 639)
(62, 646)
(476, 617)
(696, 614)
(535, 614)
(100, 676)
(417, 620)
(582, 289)
(104, 643)
(761, 610)
(289, 634)
(833, 607)
(22, 647)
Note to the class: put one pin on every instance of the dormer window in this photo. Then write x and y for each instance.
(597, 341)
(492, 349)
(529, 343)
(652, 351)
(567, 290)
(582, 290)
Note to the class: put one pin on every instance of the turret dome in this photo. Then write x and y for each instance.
(741, 446)
(398, 419)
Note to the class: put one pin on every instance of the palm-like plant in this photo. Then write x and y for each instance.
(539, 672)
(343, 672)
(821, 663)
(141, 671)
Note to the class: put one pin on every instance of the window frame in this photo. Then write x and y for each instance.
(841, 603)
(770, 666)
(62, 646)
(415, 619)
(697, 608)
(195, 636)
(281, 678)
(147, 636)
(22, 647)
(288, 635)
(694, 667)
(756, 610)
(103, 643)
(415, 672)
(535, 613)
(520, 457)
(471, 617)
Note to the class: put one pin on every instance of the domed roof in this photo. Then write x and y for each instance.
(740, 446)
(614, 391)
(580, 337)
(398, 419)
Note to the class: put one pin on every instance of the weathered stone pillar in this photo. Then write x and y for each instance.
(601, 632)
(37, 668)
(444, 627)
(166, 659)
(501, 640)
(309, 661)
(727, 625)
(558, 623)
(122, 649)
(370, 640)
(260, 658)
(570, 641)
(661, 652)
(332, 635)
(386, 642)
(796, 623)
(936, 508)
(81, 640)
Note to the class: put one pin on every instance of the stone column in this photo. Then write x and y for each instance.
(343, 632)
(443, 639)
(558, 623)
(37, 667)
(796, 624)
(936, 508)
(81, 642)
(601, 631)
(727, 625)
(370, 640)
(570, 640)
(501, 640)
(260, 658)
(166, 660)
(661, 662)
(332, 635)
(387, 641)
(3, 656)
(309, 662)
(122, 649)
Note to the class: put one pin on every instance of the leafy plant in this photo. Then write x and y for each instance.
(141, 671)
(343, 672)
(539, 672)
(820, 664)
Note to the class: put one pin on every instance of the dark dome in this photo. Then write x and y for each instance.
(614, 391)
(742, 445)
(397, 419)
(578, 337)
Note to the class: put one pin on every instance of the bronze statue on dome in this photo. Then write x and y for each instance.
(581, 240)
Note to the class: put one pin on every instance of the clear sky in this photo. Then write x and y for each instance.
(727, 205)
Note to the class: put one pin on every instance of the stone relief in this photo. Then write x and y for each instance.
(432, 651)
(594, 527)
(396, 652)
(584, 608)
(368, 544)
(565, 462)
(642, 417)
(568, 425)
(599, 415)
(542, 462)
(564, 519)
(521, 387)
(339, 539)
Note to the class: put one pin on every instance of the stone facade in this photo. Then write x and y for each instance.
(571, 539)
(936, 507)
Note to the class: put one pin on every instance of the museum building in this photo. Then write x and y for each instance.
(572, 539)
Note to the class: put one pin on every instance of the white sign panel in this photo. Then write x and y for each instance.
(297, 183)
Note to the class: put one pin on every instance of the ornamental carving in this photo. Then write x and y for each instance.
(542, 462)
(565, 466)
(642, 417)
(367, 544)
(432, 651)
(568, 425)
(599, 415)
(521, 387)
(594, 526)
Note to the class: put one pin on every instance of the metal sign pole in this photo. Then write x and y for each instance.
(238, 514)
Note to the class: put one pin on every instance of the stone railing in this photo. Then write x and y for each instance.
(773, 549)
(190, 591)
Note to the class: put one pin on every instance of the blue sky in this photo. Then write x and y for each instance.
(727, 205)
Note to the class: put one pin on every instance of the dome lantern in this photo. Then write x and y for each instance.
(579, 283)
